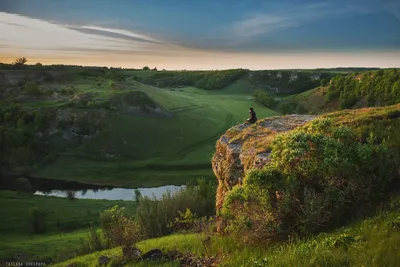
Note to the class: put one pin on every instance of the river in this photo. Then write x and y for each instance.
(60, 188)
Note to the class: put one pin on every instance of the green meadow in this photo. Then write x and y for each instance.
(157, 150)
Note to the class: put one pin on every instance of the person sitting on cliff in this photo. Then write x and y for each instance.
(253, 116)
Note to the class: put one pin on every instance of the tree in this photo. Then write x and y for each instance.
(146, 68)
(38, 64)
(20, 61)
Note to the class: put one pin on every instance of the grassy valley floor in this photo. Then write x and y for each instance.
(67, 222)
(157, 151)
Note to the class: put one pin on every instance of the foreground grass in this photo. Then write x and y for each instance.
(371, 242)
(61, 238)
(48, 247)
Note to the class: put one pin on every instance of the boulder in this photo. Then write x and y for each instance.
(245, 147)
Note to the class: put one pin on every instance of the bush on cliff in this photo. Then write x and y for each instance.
(319, 175)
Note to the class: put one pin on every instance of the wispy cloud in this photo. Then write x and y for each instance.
(22, 33)
(263, 23)
(122, 33)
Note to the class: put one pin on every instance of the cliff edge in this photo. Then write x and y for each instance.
(246, 146)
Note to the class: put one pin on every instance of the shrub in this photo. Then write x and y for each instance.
(71, 195)
(156, 216)
(332, 94)
(32, 88)
(287, 107)
(264, 98)
(120, 230)
(137, 195)
(37, 219)
(184, 222)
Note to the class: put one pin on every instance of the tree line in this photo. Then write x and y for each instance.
(22, 140)
(375, 88)
(283, 82)
(208, 80)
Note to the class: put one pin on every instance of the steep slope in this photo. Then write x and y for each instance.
(357, 90)
(288, 81)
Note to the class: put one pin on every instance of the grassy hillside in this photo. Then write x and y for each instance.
(104, 127)
(183, 152)
(289, 81)
(366, 89)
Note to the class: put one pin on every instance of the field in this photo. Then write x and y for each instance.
(67, 222)
(156, 150)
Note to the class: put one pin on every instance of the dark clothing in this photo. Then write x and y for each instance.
(253, 116)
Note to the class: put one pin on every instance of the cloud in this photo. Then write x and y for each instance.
(122, 33)
(261, 24)
(25, 34)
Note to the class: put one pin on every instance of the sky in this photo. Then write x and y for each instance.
(202, 34)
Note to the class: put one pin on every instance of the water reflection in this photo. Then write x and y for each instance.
(114, 193)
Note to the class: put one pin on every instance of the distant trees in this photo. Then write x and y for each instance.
(376, 88)
(284, 106)
(146, 68)
(264, 98)
(287, 81)
(19, 62)
(208, 80)
(20, 145)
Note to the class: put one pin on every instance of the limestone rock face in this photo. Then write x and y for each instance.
(245, 147)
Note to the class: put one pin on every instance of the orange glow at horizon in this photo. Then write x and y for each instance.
(221, 60)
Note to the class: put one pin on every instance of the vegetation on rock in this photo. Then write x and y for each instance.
(317, 175)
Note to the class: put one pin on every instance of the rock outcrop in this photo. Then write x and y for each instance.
(245, 147)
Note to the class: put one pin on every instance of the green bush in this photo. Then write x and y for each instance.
(155, 216)
(32, 88)
(265, 99)
(121, 230)
(71, 195)
(332, 94)
(287, 107)
(318, 175)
